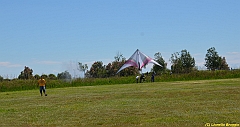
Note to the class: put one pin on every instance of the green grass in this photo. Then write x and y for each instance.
(180, 103)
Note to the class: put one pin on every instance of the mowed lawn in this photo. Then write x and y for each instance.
(182, 103)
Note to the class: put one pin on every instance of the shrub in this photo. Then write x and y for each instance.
(20, 84)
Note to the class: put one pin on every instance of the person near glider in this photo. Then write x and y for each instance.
(42, 86)
(152, 78)
(138, 60)
(137, 78)
(142, 78)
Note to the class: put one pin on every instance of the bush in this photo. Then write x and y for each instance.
(20, 84)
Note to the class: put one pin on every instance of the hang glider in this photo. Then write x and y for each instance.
(138, 60)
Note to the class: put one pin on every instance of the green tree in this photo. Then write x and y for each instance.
(177, 67)
(52, 76)
(64, 75)
(157, 69)
(182, 62)
(119, 57)
(112, 68)
(224, 65)
(97, 70)
(27, 73)
(37, 76)
(83, 68)
(188, 62)
(176, 63)
(109, 70)
(45, 76)
(117, 64)
(212, 59)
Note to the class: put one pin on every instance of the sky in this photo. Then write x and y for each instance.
(52, 36)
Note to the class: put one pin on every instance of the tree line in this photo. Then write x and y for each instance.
(181, 62)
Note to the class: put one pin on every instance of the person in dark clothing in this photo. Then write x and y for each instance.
(142, 78)
(152, 78)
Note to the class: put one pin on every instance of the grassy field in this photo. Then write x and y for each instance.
(181, 103)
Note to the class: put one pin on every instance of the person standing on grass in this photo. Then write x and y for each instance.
(42, 85)
(152, 78)
(137, 78)
(142, 78)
